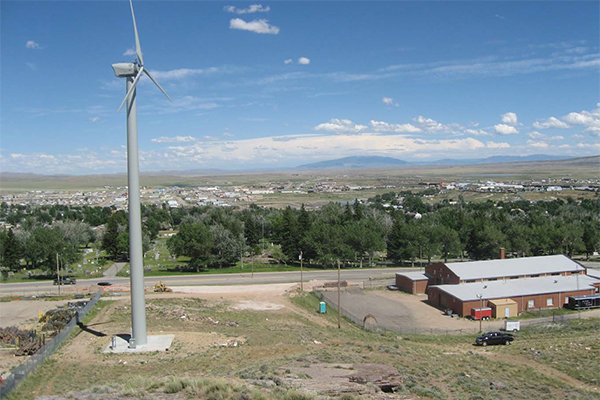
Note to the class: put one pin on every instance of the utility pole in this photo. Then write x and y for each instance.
(57, 274)
(301, 278)
(480, 310)
(339, 299)
(262, 219)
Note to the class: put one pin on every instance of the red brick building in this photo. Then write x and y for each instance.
(412, 282)
(531, 282)
(529, 293)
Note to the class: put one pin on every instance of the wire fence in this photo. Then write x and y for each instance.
(21, 372)
(378, 283)
(375, 322)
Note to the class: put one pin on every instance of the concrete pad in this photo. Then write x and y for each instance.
(155, 343)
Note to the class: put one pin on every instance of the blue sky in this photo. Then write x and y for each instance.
(278, 84)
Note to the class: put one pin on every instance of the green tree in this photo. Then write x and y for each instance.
(485, 240)
(450, 243)
(591, 237)
(10, 252)
(403, 241)
(195, 241)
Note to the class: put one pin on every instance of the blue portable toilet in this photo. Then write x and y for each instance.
(322, 307)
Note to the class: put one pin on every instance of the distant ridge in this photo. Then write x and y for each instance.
(355, 162)
(376, 161)
(497, 160)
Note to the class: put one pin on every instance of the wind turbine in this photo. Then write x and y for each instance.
(133, 72)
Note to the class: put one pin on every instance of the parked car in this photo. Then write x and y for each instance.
(65, 281)
(392, 287)
(104, 284)
(494, 338)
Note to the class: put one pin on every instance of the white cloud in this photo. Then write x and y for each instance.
(380, 126)
(174, 139)
(254, 8)
(578, 136)
(589, 119)
(184, 73)
(129, 52)
(550, 123)
(227, 134)
(388, 101)
(304, 61)
(31, 44)
(95, 119)
(340, 126)
(595, 146)
(540, 145)
(497, 145)
(477, 132)
(288, 61)
(31, 66)
(510, 118)
(541, 136)
(504, 129)
(256, 26)
(428, 124)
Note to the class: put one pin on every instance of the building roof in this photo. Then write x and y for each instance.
(518, 287)
(594, 273)
(499, 302)
(414, 276)
(514, 267)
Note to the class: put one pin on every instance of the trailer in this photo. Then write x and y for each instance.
(512, 326)
(481, 313)
(584, 302)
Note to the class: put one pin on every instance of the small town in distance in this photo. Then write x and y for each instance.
(299, 200)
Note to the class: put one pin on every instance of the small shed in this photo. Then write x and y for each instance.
(412, 282)
(504, 308)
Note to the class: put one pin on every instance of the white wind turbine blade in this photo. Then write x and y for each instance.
(138, 48)
(132, 88)
(156, 83)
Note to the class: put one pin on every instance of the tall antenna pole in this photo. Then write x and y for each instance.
(136, 261)
(339, 299)
(57, 274)
(301, 278)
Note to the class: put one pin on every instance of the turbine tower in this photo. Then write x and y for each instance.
(133, 72)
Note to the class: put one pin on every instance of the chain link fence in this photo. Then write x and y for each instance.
(19, 373)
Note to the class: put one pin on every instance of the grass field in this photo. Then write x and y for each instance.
(287, 354)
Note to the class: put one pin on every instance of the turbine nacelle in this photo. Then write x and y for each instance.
(125, 70)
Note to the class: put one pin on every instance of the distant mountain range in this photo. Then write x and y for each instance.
(355, 162)
(376, 161)
(341, 163)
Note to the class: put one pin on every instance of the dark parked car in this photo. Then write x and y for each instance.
(494, 338)
(65, 281)
(104, 284)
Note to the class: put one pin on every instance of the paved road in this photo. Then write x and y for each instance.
(113, 270)
(355, 275)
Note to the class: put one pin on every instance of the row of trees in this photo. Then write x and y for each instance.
(38, 245)
(356, 233)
